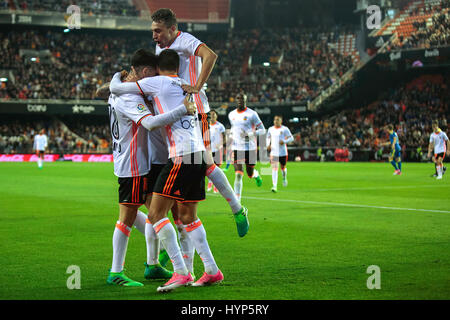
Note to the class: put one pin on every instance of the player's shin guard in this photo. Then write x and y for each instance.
(197, 233)
(220, 181)
(140, 221)
(186, 246)
(238, 184)
(166, 233)
(152, 244)
(284, 173)
(120, 243)
(275, 177)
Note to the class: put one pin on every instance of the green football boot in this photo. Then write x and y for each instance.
(258, 181)
(242, 224)
(120, 279)
(156, 272)
(163, 258)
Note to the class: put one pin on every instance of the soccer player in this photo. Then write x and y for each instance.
(395, 155)
(441, 145)
(182, 180)
(40, 145)
(245, 127)
(196, 63)
(129, 120)
(217, 131)
(278, 136)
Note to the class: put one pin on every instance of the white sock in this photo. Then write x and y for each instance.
(186, 246)
(274, 177)
(439, 170)
(166, 233)
(197, 233)
(139, 223)
(284, 172)
(120, 243)
(152, 244)
(238, 185)
(255, 173)
(39, 162)
(220, 181)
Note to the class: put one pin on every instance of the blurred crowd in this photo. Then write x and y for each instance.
(96, 7)
(410, 108)
(302, 63)
(437, 34)
(17, 136)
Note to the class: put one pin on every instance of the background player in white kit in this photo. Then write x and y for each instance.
(40, 145)
(245, 128)
(278, 136)
(217, 131)
(441, 145)
(129, 121)
(197, 61)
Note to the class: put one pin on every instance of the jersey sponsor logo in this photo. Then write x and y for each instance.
(140, 107)
(187, 123)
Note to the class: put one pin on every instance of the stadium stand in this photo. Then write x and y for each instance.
(96, 7)
(410, 107)
(304, 62)
(421, 24)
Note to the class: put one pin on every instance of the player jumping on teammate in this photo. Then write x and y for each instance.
(197, 61)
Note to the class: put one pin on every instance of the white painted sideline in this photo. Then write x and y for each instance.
(342, 204)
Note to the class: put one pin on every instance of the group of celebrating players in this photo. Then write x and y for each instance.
(164, 147)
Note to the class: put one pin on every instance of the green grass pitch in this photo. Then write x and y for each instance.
(312, 240)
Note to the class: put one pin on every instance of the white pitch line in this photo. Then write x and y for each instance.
(343, 204)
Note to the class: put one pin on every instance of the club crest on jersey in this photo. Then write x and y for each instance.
(140, 107)
(245, 118)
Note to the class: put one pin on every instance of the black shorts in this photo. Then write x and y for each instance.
(133, 190)
(182, 180)
(439, 155)
(218, 157)
(248, 157)
(40, 153)
(204, 125)
(153, 176)
(282, 160)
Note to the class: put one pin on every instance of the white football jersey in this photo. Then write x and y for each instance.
(158, 146)
(439, 139)
(244, 122)
(40, 142)
(216, 131)
(129, 139)
(274, 136)
(183, 136)
(186, 45)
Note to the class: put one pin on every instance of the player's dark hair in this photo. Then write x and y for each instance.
(390, 127)
(435, 122)
(168, 60)
(144, 58)
(166, 16)
(214, 112)
(279, 116)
